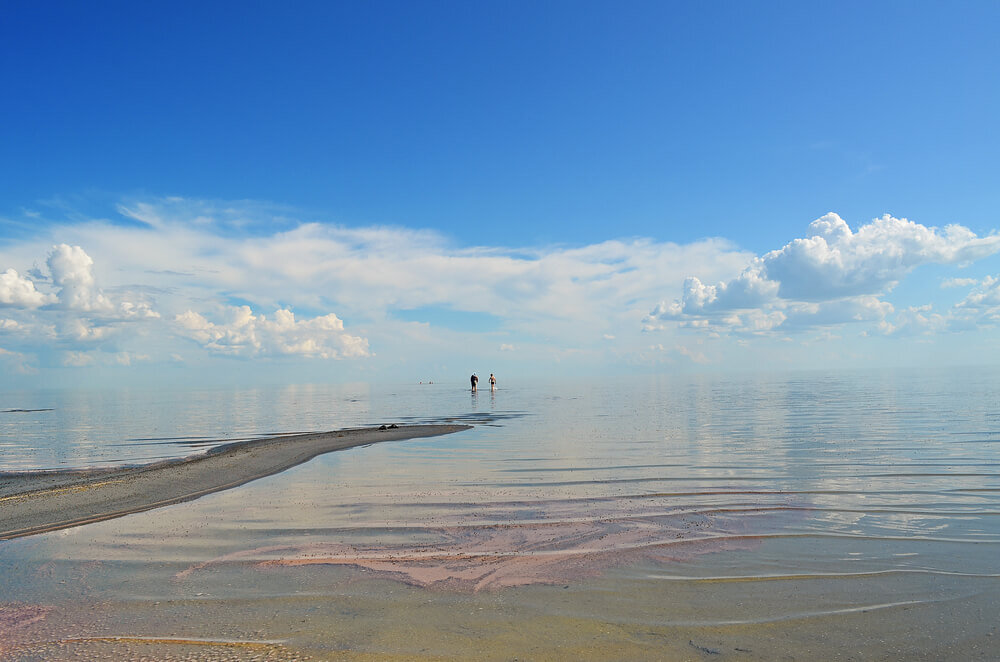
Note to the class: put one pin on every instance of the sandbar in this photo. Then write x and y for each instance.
(38, 502)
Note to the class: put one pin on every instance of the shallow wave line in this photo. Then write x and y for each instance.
(650, 495)
(820, 575)
(554, 522)
(819, 614)
(348, 557)
(611, 519)
(902, 511)
(815, 534)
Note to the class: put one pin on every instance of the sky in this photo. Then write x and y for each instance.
(255, 192)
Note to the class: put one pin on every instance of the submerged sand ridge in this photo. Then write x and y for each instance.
(38, 502)
(554, 541)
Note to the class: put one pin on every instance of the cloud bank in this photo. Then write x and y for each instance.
(89, 325)
(831, 276)
(175, 281)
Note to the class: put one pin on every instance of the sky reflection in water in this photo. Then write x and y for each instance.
(822, 497)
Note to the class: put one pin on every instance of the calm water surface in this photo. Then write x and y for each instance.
(808, 516)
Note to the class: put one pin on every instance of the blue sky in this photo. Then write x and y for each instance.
(554, 188)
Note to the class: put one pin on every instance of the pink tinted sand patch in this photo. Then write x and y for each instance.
(15, 620)
(13, 617)
(537, 543)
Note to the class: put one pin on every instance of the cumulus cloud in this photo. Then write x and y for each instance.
(20, 292)
(832, 276)
(182, 255)
(245, 334)
(104, 285)
(73, 273)
(65, 307)
(748, 290)
(833, 262)
(984, 296)
(914, 321)
(981, 307)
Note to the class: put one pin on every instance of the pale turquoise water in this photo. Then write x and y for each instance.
(807, 516)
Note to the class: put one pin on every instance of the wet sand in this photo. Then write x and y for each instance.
(38, 502)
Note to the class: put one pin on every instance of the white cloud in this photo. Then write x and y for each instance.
(83, 359)
(75, 359)
(188, 255)
(17, 362)
(695, 355)
(77, 312)
(72, 272)
(832, 262)
(981, 307)
(838, 311)
(660, 353)
(985, 296)
(959, 282)
(128, 358)
(83, 330)
(206, 266)
(246, 334)
(832, 276)
(913, 321)
(20, 292)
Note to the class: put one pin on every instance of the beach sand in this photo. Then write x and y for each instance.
(37, 502)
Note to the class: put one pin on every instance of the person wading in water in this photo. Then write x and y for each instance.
(475, 382)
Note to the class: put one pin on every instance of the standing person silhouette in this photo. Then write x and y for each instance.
(493, 382)
(475, 382)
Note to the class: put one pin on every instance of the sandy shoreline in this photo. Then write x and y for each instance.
(37, 502)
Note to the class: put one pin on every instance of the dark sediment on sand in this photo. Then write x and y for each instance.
(38, 502)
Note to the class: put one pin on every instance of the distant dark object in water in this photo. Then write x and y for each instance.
(388, 427)
(24, 411)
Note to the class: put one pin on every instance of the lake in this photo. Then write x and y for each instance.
(834, 516)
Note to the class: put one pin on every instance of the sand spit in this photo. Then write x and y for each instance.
(39, 502)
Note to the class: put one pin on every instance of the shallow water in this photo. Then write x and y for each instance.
(807, 516)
